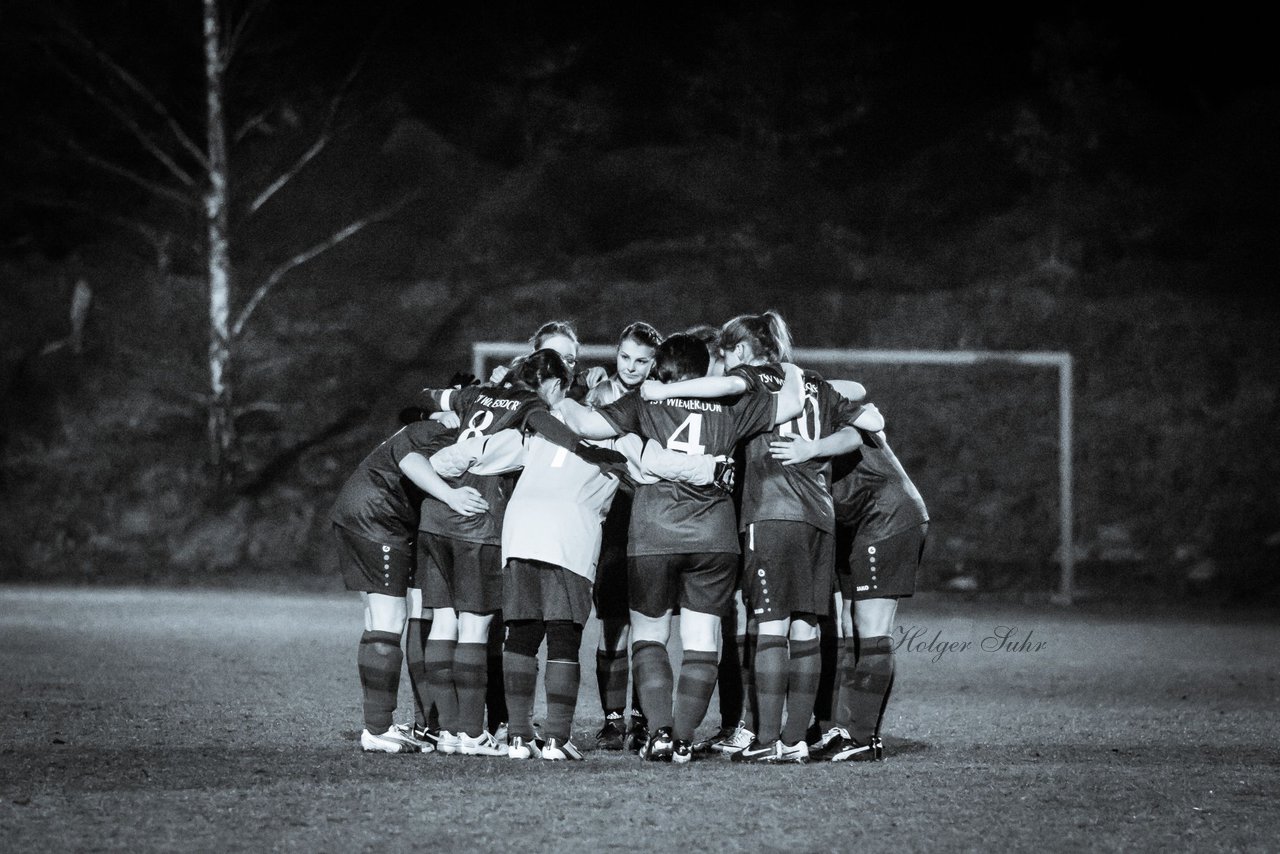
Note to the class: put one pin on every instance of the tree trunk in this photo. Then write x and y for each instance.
(223, 444)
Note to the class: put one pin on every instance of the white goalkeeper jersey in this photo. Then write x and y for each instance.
(555, 513)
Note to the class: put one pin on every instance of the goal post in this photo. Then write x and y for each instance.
(485, 351)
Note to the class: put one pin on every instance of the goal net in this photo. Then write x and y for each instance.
(985, 435)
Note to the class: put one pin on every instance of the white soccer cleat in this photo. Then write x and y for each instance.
(561, 751)
(482, 745)
(447, 743)
(735, 741)
(519, 748)
(410, 733)
(798, 752)
(391, 741)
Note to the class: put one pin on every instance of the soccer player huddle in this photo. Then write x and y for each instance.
(707, 477)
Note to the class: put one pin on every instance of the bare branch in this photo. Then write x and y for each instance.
(239, 30)
(156, 189)
(148, 97)
(127, 120)
(306, 255)
(323, 138)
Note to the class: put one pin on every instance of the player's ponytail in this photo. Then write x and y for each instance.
(766, 334)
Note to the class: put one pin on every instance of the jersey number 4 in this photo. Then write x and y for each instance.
(691, 427)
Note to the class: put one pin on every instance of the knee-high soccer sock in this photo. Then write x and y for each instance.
(747, 653)
(470, 678)
(729, 674)
(562, 697)
(611, 680)
(824, 705)
(520, 670)
(438, 660)
(637, 710)
(845, 667)
(872, 679)
(693, 693)
(771, 686)
(415, 648)
(651, 669)
(804, 668)
(379, 660)
(495, 697)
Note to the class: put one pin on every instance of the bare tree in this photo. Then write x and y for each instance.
(192, 172)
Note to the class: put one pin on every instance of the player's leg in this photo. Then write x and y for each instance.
(706, 592)
(435, 576)
(478, 595)
(380, 573)
(804, 668)
(612, 665)
(564, 640)
(495, 697)
(765, 581)
(520, 670)
(812, 572)
(652, 581)
(416, 632)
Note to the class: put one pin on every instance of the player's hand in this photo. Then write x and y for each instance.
(461, 378)
(792, 449)
(448, 418)
(724, 473)
(653, 390)
(496, 375)
(611, 462)
(595, 376)
(466, 501)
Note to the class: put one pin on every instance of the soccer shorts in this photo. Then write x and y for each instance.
(372, 567)
(701, 582)
(535, 590)
(610, 593)
(883, 569)
(787, 568)
(460, 575)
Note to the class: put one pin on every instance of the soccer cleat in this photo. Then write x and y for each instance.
(611, 736)
(519, 748)
(638, 735)
(481, 745)
(798, 752)
(847, 749)
(447, 743)
(830, 744)
(417, 736)
(757, 753)
(561, 751)
(659, 746)
(391, 741)
(821, 742)
(681, 752)
(735, 741)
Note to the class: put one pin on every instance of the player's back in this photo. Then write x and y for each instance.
(873, 493)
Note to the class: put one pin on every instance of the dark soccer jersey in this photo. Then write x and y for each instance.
(484, 411)
(378, 502)
(873, 494)
(680, 518)
(800, 492)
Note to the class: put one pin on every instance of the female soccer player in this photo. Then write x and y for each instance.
(375, 518)
(463, 578)
(882, 526)
(787, 527)
(682, 546)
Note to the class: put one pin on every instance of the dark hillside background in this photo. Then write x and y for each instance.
(1098, 182)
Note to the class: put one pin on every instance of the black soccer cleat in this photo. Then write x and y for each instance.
(611, 736)
(847, 749)
(659, 747)
(638, 735)
(756, 753)
(681, 752)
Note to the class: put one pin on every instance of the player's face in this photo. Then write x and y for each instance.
(634, 361)
(563, 345)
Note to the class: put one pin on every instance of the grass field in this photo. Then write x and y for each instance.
(223, 721)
